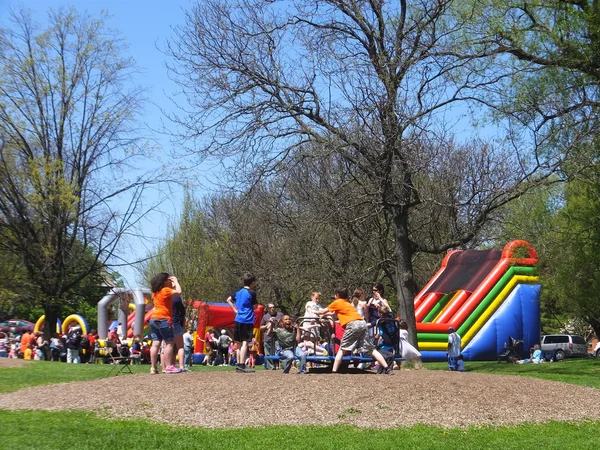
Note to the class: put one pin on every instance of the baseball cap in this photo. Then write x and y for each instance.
(223, 331)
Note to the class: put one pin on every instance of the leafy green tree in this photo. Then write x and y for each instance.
(193, 251)
(17, 294)
(69, 185)
(575, 272)
(272, 83)
(561, 223)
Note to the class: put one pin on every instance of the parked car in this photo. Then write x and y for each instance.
(566, 346)
(596, 352)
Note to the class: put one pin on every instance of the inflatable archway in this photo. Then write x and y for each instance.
(39, 325)
(79, 320)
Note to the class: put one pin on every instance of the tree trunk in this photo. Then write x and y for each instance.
(595, 324)
(51, 312)
(405, 283)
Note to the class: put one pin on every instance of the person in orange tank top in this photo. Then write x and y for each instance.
(163, 288)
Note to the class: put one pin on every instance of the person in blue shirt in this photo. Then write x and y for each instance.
(243, 304)
(536, 356)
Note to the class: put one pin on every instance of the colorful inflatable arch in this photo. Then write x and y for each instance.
(39, 325)
(220, 316)
(63, 327)
(487, 296)
(79, 320)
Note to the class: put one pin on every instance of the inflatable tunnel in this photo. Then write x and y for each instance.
(487, 296)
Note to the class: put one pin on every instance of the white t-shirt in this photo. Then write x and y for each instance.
(188, 339)
(454, 343)
(311, 309)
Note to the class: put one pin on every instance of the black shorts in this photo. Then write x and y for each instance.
(243, 332)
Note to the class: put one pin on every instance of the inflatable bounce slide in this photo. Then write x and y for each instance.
(220, 316)
(487, 296)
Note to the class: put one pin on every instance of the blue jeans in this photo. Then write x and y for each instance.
(269, 348)
(188, 356)
(289, 357)
(453, 363)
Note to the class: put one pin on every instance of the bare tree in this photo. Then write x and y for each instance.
(69, 185)
(367, 80)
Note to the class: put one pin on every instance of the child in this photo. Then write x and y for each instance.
(233, 350)
(245, 303)
(408, 351)
(287, 333)
(356, 331)
(460, 364)
(310, 345)
(253, 351)
(29, 351)
(13, 349)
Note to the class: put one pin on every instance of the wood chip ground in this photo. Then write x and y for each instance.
(232, 400)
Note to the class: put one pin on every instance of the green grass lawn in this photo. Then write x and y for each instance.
(42, 430)
(76, 430)
(45, 372)
(583, 371)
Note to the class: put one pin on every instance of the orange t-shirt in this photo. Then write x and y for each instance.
(163, 304)
(25, 340)
(345, 311)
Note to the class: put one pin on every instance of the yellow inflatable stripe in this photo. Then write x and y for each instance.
(433, 346)
(518, 279)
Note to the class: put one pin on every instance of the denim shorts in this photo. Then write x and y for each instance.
(160, 330)
(177, 329)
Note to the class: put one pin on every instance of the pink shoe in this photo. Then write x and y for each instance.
(172, 369)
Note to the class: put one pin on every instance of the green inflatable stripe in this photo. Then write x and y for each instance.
(494, 292)
(438, 307)
(432, 337)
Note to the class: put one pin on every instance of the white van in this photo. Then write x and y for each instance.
(566, 346)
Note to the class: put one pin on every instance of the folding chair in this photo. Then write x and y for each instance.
(116, 365)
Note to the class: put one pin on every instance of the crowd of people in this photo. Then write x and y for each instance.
(285, 341)
(70, 347)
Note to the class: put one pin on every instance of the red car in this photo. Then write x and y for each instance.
(16, 326)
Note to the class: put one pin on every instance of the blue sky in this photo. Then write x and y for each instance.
(145, 24)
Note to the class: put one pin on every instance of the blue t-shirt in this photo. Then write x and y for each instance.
(245, 299)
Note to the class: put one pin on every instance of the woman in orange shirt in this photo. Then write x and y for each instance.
(163, 288)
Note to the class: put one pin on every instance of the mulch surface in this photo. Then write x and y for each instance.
(234, 400)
